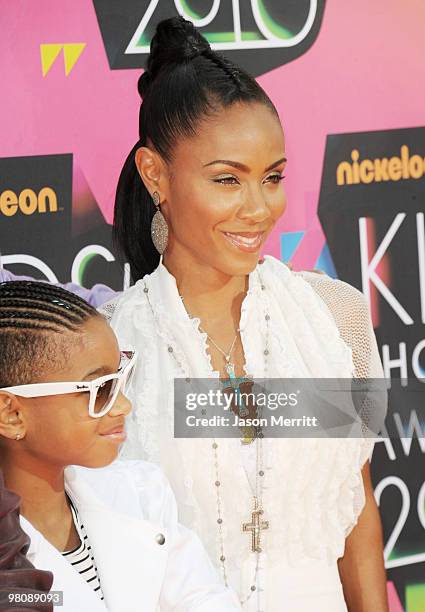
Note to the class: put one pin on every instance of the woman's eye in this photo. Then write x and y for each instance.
(275, 178)
(226, 180)
(231, 180)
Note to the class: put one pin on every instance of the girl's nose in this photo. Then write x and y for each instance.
(122, 405)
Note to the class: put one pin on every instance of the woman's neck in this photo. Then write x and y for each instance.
(207, 292)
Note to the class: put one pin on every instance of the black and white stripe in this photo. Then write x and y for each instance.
(82, 557)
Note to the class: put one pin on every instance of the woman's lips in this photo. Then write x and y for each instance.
(249, 242)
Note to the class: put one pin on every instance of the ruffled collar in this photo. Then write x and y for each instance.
(305, 339)
(183, 332)
(164, 290)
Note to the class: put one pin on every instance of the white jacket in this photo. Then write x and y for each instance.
(126, 508)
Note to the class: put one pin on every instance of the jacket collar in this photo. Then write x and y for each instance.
(130, 561)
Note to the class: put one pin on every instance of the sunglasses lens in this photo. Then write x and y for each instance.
(104, 394)
(107, 392)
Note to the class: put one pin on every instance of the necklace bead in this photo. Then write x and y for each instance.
(260, 472)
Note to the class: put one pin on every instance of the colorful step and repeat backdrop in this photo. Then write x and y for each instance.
(347, 79)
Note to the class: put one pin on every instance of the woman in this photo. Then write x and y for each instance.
(197, 198)
(109, 535)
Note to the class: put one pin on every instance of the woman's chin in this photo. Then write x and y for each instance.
(241, 265)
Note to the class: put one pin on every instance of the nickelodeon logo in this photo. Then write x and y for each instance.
(379, 170)
(28, 202)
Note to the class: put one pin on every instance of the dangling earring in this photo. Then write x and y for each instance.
(159, 227)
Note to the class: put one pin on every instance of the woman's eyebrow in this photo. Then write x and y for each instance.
(240, 166)
(276, 163)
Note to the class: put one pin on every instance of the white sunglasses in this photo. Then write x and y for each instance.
(103, 390)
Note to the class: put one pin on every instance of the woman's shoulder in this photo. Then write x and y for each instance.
(338, 295)
(130, 297)
(329, 289)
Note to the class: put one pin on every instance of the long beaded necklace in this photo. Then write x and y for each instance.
(257, 525)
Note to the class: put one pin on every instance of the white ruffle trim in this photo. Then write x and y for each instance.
(313, 490)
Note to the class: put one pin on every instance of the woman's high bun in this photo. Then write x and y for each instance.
(176, 41)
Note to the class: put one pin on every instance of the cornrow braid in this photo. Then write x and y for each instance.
(34, 317)
(230, 69)
(38, 302)
(16, 303)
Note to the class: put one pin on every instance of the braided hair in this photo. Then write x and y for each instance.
(34, 319)
(184, 81)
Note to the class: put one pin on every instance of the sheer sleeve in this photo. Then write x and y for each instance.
(351, 314)
(107, 309)
(350, 311)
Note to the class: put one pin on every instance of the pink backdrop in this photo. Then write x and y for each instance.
(364, 72)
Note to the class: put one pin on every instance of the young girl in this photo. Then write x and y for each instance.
(110, 535)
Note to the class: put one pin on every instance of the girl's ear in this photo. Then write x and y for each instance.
(12, 424)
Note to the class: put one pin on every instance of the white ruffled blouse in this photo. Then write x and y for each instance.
(313, 490)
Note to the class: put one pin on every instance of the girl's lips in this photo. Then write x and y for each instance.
(245, 241)
(116, 436)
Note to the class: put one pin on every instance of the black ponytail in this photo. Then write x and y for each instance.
(134, 211)
(184, 80)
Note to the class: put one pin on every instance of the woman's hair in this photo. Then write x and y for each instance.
(34, 317)
(184, 81)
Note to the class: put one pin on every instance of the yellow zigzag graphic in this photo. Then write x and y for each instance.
(50, 52)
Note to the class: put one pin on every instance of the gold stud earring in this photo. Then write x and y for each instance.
(159, 227)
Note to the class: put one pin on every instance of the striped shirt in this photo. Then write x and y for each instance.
(82, 557)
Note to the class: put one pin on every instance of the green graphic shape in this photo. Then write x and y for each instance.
(224, 37)
(143, 41)
(275, 28)
(415, 598)
(189, 10)
(83, 266)
(217, 37)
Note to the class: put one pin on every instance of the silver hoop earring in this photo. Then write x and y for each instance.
(159, 227)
